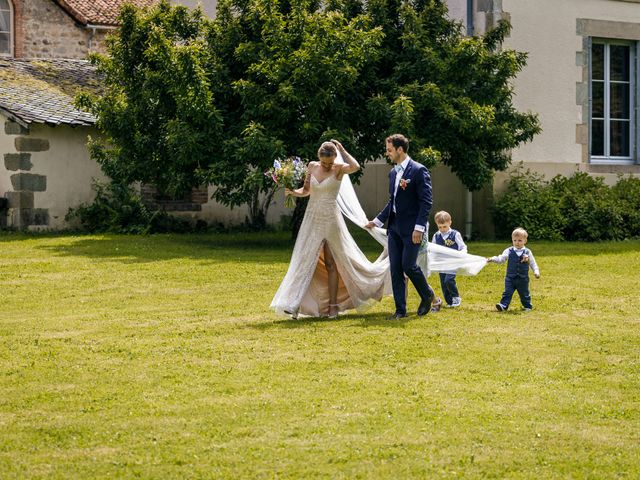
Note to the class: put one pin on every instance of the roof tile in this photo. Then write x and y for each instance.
(43, 91)
(99, 12)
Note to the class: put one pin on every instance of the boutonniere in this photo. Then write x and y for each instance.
(524, 258)
(404, 182)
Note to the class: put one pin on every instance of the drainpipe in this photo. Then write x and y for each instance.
(468, 220)
(94, 28)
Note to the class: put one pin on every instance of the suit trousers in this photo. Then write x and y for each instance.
(519, 284)
(403, 254)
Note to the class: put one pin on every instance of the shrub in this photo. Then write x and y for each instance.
(528, 203)
(627, 193)
(580, 207)
(589, 207)
(118, 208)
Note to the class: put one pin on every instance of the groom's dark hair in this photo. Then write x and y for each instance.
(398, 140)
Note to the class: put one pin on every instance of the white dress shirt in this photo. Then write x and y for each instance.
(403, 166)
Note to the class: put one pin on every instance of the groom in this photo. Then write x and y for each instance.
(407, 213)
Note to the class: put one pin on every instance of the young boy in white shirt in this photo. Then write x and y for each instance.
(520, 259)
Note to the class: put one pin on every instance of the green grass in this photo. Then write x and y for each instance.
(157, 357)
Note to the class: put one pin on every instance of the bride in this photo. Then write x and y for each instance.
(328, 273)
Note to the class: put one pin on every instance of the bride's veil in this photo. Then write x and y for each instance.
(432, 257)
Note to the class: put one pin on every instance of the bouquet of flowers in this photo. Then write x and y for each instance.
(288, 173)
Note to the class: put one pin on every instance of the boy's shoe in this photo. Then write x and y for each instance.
(500, 307)
(435, 307)
(455, 302)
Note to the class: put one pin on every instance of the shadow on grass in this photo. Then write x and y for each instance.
(208, 248)
(251, 247)
(361, 320)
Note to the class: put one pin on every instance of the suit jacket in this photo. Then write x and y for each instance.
(413, 199)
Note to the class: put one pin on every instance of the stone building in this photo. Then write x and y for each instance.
(46, 166)
(581, 78)
(57, 28)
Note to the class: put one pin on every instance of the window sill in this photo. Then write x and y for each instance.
(613, 168)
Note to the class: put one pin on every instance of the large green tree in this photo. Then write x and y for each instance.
(191, 100)
(157, 115)
(285, 75)
(451, 94)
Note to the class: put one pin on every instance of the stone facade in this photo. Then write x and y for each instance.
(44, 30)
(21, 211)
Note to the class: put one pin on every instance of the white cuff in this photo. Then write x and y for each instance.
(420, 228)
(378, 222)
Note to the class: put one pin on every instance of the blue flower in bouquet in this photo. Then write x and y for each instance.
(288, 173)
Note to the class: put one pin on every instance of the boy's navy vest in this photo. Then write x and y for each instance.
(448, 240)
(516, 268)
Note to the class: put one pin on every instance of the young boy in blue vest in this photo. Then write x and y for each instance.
(519, 260)
(448, 237)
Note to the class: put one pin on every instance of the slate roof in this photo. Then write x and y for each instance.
(43, 91)
(98, 12)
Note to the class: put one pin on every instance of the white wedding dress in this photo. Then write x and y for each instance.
(305, 286)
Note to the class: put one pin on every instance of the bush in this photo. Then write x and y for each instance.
(580, 207)
(527, 203)
(627, 193)
(119, 209)
(589, 207)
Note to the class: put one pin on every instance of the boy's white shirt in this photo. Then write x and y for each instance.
(519, 251)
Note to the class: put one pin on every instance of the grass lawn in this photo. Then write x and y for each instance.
(157, 357)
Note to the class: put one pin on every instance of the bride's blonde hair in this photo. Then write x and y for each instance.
(327, 149)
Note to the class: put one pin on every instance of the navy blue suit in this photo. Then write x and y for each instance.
(413, 202)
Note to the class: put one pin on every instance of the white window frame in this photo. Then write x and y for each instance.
(11, 32)
(633, 103)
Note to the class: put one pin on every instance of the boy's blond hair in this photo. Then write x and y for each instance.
(442, 217)
(520, 232)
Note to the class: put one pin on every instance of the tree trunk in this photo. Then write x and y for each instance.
(258, 210)
(298, 215)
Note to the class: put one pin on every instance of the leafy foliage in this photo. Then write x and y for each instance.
(589, 206)
(579, 207)
(286, 76)
(528, 202)
(450, 92)
(157, 116)
(117, 208)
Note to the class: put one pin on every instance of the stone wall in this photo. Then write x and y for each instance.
(44, 171)
(44, 30)
(21, 205)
